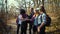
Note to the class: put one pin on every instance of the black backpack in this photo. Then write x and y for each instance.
(48, 20)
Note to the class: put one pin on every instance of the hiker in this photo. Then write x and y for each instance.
(30, 22)
(41, 21)
(18, 21)
(24, 23)
(35, 20)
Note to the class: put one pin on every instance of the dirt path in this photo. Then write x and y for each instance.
(49, 30)
(13, 24)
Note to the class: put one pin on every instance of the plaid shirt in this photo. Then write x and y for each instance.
(42, 18)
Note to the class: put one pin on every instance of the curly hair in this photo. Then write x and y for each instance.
(22, 11)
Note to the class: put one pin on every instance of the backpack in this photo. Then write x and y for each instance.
(48, 20)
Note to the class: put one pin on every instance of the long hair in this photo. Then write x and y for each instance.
(43, 9)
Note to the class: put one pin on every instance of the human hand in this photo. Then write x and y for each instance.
(27, 19)
(38, 29)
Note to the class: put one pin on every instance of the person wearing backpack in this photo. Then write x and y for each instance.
(41, 22)
(48, 18)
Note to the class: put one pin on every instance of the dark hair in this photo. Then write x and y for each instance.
(31, 8)
(42, 9)
(22, 11)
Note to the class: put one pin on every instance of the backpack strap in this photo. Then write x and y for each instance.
(41, 18)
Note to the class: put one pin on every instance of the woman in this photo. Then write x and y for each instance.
(23, 23)
(41, 21)
(35, 19)
(18, 21)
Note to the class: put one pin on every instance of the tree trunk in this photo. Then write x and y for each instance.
(43, 2)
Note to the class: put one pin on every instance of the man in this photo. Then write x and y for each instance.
(31, 22)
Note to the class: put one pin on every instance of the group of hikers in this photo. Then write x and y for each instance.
(36, 19)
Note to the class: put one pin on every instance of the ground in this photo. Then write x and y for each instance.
(49, 30)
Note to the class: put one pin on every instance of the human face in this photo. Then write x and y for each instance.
(31, 9)
(40, 12)
(34, 11)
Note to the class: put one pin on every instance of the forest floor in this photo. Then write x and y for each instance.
(49, 30)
